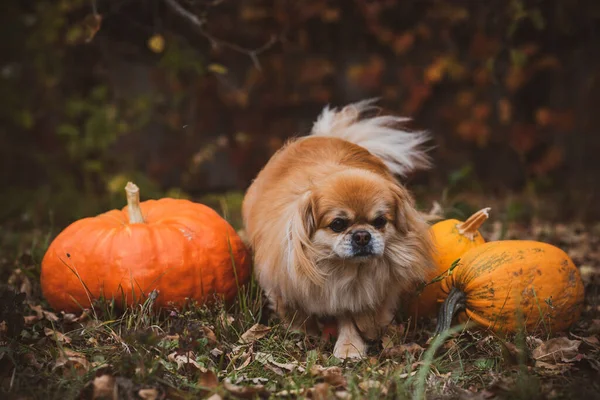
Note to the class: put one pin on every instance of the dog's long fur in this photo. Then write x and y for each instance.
(347, 164)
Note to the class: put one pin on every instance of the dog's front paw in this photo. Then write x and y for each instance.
(343, 350)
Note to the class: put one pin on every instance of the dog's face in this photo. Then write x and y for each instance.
(354, 216)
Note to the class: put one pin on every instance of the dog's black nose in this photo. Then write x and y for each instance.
(361, 238)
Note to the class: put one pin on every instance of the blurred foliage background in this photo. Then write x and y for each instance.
(191, 97)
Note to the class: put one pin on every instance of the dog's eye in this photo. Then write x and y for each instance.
(379, 222)
(338, 225)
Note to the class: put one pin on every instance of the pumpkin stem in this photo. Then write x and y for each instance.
(469, 228)
(456, 301)
(133, 203)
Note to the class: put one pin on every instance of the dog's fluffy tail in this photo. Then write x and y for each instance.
(401, 151)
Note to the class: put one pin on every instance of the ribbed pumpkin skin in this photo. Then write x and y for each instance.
(450, 245)
(500, 278)
(183, 249)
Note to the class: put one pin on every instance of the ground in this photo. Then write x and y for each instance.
(224, 352)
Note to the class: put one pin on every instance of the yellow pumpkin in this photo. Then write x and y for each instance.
(507, 285)
(452, 238)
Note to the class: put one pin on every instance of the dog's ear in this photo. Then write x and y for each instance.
(301, 254)
(407, 218)
(416, 248)
(406, 214)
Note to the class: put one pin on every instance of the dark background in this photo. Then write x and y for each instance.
(195, 101)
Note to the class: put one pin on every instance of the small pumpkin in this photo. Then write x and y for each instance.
(452, 238)
(507, 285)
(183, 249)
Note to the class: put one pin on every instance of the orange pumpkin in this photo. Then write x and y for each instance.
(452, 238)
(184, 250)
(506, 285)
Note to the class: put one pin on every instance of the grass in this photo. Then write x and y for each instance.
(197, 352)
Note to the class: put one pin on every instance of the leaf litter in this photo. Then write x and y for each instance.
(226, 354)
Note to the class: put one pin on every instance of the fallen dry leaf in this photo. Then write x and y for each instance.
(406, 375)
(41, 314)
(104, 387)
(321, 391)
(50, 316)
(214, 397)
(552, 368)
(148, 394)
(257, 331)
(590, 340)
(246, 392)
(265, 358)
(208, 380)
(72, 359)
(342, 395)
(185, 359)
(20, 282)
(274, 369)
(246, 356)
(289, 366)
(556, 350)
(209, 335)
(533, 342)
(291, 393)
(31, 319)
(38, 311)
(371, 384)
(398, 351)
(256, 380)
(216, 352)
(331, 375)
(56, 335)
(247, 361)
(71, 318)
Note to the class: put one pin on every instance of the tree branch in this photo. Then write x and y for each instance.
(199, 26)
